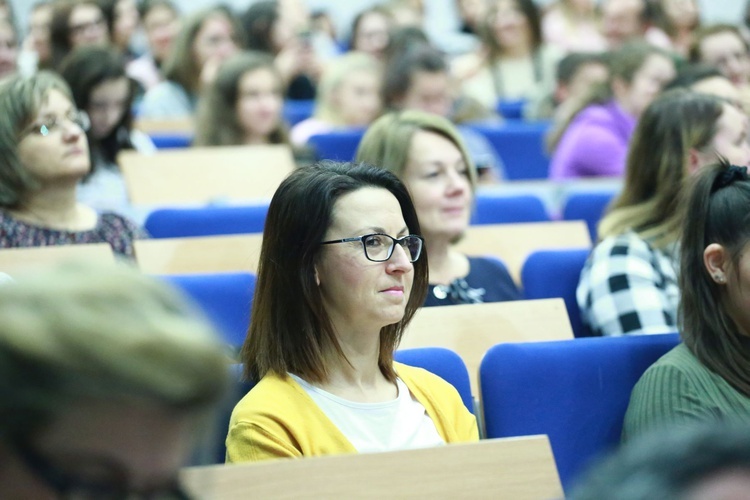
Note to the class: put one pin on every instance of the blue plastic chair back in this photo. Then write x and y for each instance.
(504, 209)
(521, 146)
(444, 363)
(575, 391)
(548, 274)
(340, 145)
(171, 140)
(295, 111)
(206, 221)
(225, 299)
(511, 109)
(588, 207)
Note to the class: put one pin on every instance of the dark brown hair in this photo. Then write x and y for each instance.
(59, 29)
(290, 330)
(529, 10)
(716, 212)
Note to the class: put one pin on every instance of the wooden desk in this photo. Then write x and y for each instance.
(202, 175)
(517, 468)
(15, 261)
(471, 329)
(514, 242)
(209, 254)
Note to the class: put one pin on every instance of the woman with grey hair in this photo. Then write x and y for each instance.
(44, 153)
(106, 379)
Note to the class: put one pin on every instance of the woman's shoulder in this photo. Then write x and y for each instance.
(421, 380)
(273, 394)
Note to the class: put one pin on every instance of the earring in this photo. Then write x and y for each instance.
(718, 278)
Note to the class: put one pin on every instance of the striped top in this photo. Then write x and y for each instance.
(679, 390)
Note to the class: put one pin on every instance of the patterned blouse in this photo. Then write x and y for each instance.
(111, 228)
(488, 281)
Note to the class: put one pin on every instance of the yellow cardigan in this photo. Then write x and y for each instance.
(278, 419)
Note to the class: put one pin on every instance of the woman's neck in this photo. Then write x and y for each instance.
(255, 140)
(55, 207)
(517, 51)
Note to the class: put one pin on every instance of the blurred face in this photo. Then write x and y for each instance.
(107, 106)
(39, 22)
(583, 80)
(87, 26)
(429, 92)
(259, 104)
(510, 26)
(472, 11)
(214, 40)
(143, 455)
(358, 294)
(438, 181)
(63, 153)
(727, 52)
(161, 25)
(126, 21)
(730, 141)
(357, 98)
(621, 21)
(682, 13)
(8, 49)
(647, 82)
(721, 87)
(372, 35)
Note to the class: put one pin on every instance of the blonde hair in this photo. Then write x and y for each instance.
(334, 75)
(78, 332)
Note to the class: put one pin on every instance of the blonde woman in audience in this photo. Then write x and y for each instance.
(706, 379)
(428, 154)
(341, 275)
(629, 283)
(573, 26)
(108, 378)
(243, 104)
(348, 97)
(206, 40)
(513, 63)
(44, 153)
(591, 140)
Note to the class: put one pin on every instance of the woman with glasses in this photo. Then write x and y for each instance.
(341, 274)
(428, 154)
(43, 155)
(107, 377)
(76, 24)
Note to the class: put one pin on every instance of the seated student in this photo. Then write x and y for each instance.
(706, 80)
(36, 52)
(107, 378)
(243, 104)
(341, 275)
(418, 78)
(707, 376)
(76, 24)
(573, 26)
(677, 20)
(206, 39)
(371, 30)
(427, 153)
(347, 97)
(8, 48)
(592, 139)
(628, 284)
(44, 153)
(100, 87)
(161, 23)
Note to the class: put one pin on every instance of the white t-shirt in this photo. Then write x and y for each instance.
(399, 424)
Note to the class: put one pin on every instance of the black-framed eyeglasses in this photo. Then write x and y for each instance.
(66, 486)
(50, 124)
(379, 247)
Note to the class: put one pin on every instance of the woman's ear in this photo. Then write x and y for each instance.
(715, 259)
(694, 161)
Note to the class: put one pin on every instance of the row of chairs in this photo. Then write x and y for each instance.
(490, 208)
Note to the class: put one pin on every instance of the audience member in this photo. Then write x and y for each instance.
(348, 97)
(8, 48)
(123, 19)
(161, 23)
(708, 462)
(420, 79)
(592, 140)
(629, 284)
(243, 104)
(707, 376)
(513, 63)
(75, 24)
(273, 26)
(323, 354)
(573, 26)
(37, 50)
(577, 74)
(678, 20)
(471, 14)
(100, 87)
(370, 31)
(43, 155)
(429, 156)
(627, 20)
(206, 39)
(107, 379)
(707, 80)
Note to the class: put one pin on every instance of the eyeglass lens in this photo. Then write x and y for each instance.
(379, 247)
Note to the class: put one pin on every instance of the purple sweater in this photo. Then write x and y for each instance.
(595, 143)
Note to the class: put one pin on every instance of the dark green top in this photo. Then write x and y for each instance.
(679, 390)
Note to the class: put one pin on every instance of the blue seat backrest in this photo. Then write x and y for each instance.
(295, 111)
(575, 391)
(504, 209)
(339, 145)
(206, 221)
(171, 140)
(588, 207)
(521, 147)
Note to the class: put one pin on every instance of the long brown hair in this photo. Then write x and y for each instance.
(716, 213)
